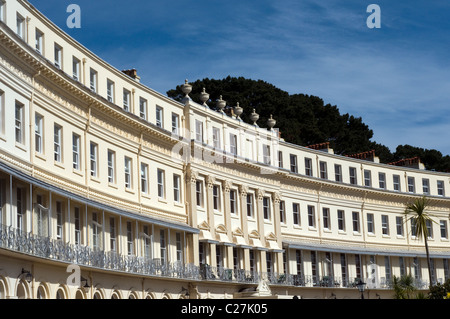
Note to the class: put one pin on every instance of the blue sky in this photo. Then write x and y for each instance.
(396, 77)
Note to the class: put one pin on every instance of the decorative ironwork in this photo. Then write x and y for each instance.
(46, 247)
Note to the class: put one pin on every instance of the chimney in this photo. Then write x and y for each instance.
(413, 162)
(324, 147)
(368, 156)
(132, 73)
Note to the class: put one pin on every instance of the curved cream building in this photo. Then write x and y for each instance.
(109, 189)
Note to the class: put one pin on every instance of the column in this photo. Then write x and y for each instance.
(278, 260)
(226, 185)
(261, 261)
(227, 217)
(246, 259)
(260, 214)
(191, 179)
(210, 180)
(243, 190)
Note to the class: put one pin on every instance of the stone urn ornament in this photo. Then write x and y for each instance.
(238, 111)
(204, 97)
(271, 122)
(254, 117)
(221, 104)
(186, 88)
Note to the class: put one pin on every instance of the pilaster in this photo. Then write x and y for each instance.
(191, 180)
(210, 180)
(277, 229)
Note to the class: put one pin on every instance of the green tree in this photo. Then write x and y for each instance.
(432, 159)
(419, 217)
(302, 119)
(305, 119)
(437, 291)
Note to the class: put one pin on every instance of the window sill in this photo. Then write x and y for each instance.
(95, 179)
(162, 200)
(59, 164)
(41, 156)
(177, 204)
(77, 172)
(113, 185)
(145, 195)
(21, 146)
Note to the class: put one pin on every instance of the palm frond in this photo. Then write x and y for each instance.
(416, 211)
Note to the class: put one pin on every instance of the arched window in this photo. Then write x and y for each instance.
(150, 295)
(60, 294)
(41, 293)
(22, 290)
(2, 290)
(97, 295)
(114, 296)
(79, 294)
(132, 296)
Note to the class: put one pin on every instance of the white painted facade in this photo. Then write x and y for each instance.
(92, 166)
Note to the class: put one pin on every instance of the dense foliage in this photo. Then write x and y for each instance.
(305, 119)
(440, 291)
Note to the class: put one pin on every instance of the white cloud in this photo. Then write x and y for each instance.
(400, 89)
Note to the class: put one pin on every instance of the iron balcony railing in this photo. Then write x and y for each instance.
(53, 249)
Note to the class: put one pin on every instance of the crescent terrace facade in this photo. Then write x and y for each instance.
(109, 189)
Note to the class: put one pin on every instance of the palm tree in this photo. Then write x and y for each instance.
(404, 287)
(419, 219)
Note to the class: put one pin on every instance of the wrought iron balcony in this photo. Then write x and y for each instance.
(46, 247)
(53, 249)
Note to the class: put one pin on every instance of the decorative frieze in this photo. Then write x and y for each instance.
(62, 101)
(15, 69)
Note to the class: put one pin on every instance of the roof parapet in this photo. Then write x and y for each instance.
(325, 147)
(413, 162)
(367, 156)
